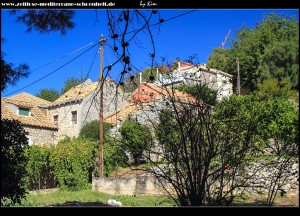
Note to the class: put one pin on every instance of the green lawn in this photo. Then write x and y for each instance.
(93, 198)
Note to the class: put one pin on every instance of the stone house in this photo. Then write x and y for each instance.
(189, 74)
(31, 111)
(145, 104)
(80, 105)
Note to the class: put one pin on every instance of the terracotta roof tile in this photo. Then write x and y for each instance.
(38, 118)
(141, 99)
(77, 92)
(124, 112)
(146, 92)
(25, 97)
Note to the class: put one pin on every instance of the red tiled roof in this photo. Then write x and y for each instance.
(38, 118)
(25, 97)
(147, 92)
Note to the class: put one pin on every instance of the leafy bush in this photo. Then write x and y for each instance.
(135, 139)
(72, 161)
(13, 162)
(38, 163)
(113, 155)
(201, 92)
(272, 88)
(91, 130)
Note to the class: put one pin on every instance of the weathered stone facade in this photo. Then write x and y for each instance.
(86, 108)
(41, 136)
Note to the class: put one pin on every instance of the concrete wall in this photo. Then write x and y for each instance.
(137, 185)
(41, 135)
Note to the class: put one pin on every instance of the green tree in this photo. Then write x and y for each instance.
(114, 155)
(272, 88)
(45, 21)
(10, 74)
(218, 59)
(13, 162)
(73, 161)
(91, 130)
(201, 92)
(135, 139)
(38, 167)
(69, 83)
(270, 50)
(48, 94)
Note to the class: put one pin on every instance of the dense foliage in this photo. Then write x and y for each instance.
(91, 130)
(48, 94)
(73, 161)
(38, 166)
(201, 92)
(135, 139)
(272, 88)
(13, 161)
(270, 50)
(10, 74)
(45, 21)
(113, 155)
(69, 83)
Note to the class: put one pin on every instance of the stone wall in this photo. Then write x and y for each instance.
(112, 101)
(261, 175)
(65, 125)
(137, 185)
(87, 110)
(146, 184)
(41, 135)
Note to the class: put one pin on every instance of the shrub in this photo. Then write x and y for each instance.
(13, 162)
(201, 92)
(91, 130)
(113, 155)
(73, 161)
(38, 167)
(135, 139)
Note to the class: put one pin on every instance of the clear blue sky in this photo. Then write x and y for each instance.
(195, 33)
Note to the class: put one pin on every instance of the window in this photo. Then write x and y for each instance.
(74, 117)
(55, 119)
(29, 140)
(24, 111)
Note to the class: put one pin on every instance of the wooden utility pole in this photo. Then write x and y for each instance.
(238, 82)
(101, 138)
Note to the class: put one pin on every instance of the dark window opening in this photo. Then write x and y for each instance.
(74, 117)
(55, 119)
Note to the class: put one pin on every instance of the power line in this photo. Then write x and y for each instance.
(58, 59)
(160, 22)
(87, 75)
(52, 71)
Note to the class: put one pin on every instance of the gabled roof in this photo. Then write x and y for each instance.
(147, 92)
(124, 112)
(38, 118)
(77, 92)
(144, 96)
(25, 97)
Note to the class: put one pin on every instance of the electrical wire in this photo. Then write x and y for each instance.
(52, 71)
(58, 59)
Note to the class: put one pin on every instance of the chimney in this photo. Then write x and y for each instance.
(178, 66)
(157, 73)
(140, 77)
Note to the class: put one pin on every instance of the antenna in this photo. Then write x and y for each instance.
(226, 38)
